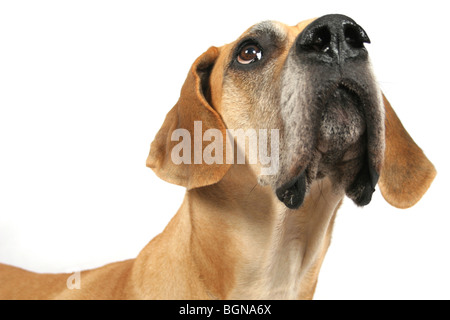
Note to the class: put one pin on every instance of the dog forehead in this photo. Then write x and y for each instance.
(274, 28)
(277, 29)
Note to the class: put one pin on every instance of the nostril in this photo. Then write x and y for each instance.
(355, 36)
(321, 39)
(317, 39)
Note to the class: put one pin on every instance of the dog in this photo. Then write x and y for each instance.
(246, 231)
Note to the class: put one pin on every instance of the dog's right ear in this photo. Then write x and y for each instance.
(191, 113)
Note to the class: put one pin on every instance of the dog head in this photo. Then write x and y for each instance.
(313, 83)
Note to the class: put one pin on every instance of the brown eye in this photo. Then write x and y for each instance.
(249, 53)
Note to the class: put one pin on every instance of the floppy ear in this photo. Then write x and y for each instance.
(406, 173)
(191, 107)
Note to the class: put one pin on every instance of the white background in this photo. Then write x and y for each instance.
(85, 85)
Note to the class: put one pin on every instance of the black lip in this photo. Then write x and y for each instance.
(292, 194)
(363, 187)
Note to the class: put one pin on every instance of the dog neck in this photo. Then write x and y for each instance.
(236, 240)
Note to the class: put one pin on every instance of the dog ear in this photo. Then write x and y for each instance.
(189, 119)
(406, 173)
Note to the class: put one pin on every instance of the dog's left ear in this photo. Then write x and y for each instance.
(189, 119)
(406, 173)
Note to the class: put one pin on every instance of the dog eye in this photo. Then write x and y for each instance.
(249, 54)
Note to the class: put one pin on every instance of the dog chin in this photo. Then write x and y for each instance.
(339, 153)
(355, 177)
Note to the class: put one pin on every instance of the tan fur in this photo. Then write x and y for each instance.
(231, 238)
(403, 158)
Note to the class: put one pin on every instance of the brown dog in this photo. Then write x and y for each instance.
(244, 231)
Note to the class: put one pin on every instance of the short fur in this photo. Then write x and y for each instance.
(232, 238)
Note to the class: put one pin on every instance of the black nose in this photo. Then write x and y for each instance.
(333, 38)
